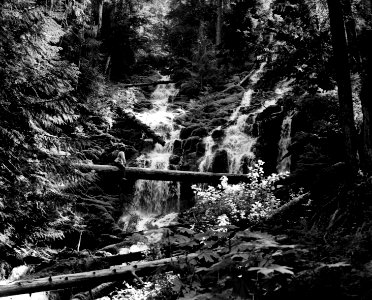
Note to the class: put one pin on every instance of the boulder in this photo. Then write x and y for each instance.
(218, 122)
(200, 149)
(210, 108)
(174, 159)
(142, 105)
(232, 99)
(189, 162)
(189, 145)
(200, 132)
(177, 147)
(186, 131)
(269, 112)
(248, 109)
(189, 88)
(220, 163)
(218, 134)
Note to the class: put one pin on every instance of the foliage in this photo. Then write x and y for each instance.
(237, 204)
(39, 109)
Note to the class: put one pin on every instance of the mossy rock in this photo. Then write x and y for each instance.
(220, 163)
(268, 112)
(189, 88)
(232, 99)
(143, 105)
(200, 149)
(189, 145)
(174, 159)
(186, 131)
(218, 134)
(218, 122)
(177, 147)
(200, 132)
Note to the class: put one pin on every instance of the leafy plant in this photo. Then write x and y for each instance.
(236, 204)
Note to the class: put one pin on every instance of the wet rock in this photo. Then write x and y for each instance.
(200, 132)
(220, 163)
(266, 148)
(218, 134)
(210, 108)
(200, 149)
(142, 105)
(189, 145)
(179, 99)
(174, 159)
(248, 109)
(186, 131)
(218, 122)
(189, 162)
(269, 112)
(177, 147)
(189, 88)
(232, 99)
(147, 145)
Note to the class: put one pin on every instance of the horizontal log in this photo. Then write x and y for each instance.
(288, 206)
(148, 84)
(86, 264)
(167, 175)
(91, 278)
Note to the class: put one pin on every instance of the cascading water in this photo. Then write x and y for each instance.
(238, 139)
(152, 198)
(18, 273)
(236, 142)
(284, 160)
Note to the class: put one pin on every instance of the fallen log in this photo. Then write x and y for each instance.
(84, 264)
(166, 175)
(90, 279)
(148, 83)
(288, 206)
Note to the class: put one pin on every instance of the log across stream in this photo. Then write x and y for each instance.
(166, 175)
(89, 279)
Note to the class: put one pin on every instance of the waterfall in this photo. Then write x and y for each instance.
(153, 198)
(16, 274)
(239, 139)
(284, 162)
(236, 142)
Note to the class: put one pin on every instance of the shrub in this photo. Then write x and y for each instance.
(239, 203)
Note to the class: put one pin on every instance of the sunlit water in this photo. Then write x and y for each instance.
(238, 140)
(18, 273)
(156, 198)
(284, 160)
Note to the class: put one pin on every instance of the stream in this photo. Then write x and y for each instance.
(156, 203)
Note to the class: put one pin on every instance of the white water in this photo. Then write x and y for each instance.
(284, 163)
(238, 141)
(18, 273)
(154, 198)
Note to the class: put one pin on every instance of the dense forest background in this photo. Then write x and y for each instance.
(64, 66)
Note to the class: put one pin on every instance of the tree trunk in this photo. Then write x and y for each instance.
(88, 279)
(343, 80)
(350, 27)
(366, 96)
(167, 175)
(100, 13)
(219, 22)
